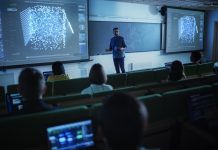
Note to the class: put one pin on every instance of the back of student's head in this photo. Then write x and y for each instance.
(176, 71)
(195, 57)
(122, 121)
(97, 74)
(31, 84)
(58, 68)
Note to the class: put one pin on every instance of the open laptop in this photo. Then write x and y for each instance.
(71, 136)
(14, 102)
(202, 107)
(46, 74)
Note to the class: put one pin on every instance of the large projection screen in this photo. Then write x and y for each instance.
(185, 30)
(43, 31)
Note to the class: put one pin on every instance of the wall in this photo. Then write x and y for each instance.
(211, 18)
(112, 11)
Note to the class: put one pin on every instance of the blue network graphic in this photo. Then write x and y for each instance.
(187, 29)
(45, 27)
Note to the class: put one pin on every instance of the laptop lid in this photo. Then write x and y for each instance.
(46, 74)
(201, 106)
(14, 102)
(71, 136)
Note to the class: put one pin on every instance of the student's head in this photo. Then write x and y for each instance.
(123, 121)
(116, 31)
(97, 74)
(31, 84)
(176, 71)
(195, 57)
(58, 68)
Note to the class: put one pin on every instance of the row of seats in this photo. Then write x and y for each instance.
(147, 77)
(30, 130)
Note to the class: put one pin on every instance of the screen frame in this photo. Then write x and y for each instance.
(165, 20)
(23, 65)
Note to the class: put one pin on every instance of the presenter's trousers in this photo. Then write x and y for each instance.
(119, 64)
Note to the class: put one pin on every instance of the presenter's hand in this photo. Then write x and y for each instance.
(121, 49)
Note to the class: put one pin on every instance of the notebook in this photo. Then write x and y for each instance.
(14, 102)
(71, 136)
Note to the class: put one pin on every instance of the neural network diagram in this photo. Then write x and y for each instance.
(45, 27)
(187, 29)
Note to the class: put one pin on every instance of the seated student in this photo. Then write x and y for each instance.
(123, 121)
(58, 72)
(176, 71)
(98, 78)
(195, 57)
(32, 87)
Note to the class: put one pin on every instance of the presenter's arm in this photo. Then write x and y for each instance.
(123, 45)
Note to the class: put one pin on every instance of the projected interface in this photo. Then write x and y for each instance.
(40, 31)
(184, 30)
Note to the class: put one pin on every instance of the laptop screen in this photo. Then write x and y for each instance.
(72, 136)
(14, 102)
(46, 74)
(201, 106)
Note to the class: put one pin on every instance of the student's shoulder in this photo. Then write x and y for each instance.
(109, 86)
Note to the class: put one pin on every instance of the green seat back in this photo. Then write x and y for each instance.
(25, 131)
(154, 105)
(191, 70)
(205, 68)
(161, 74)
(175, 102)
(117, 80)
(142, 77)
(70, 86)
(69, 100)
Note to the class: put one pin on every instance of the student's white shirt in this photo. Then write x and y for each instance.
(95, 88)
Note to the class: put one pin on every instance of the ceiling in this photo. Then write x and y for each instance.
(194, 4)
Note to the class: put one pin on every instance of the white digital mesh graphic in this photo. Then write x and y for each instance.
(187, 29)
(45, 27)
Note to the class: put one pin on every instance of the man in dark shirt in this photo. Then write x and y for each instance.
(32, 87)
(117, 46)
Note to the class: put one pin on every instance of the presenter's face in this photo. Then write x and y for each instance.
(116, 32)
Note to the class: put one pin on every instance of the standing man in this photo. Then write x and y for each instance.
(117, 46)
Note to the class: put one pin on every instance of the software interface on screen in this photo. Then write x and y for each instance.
(39, 31)
(14, 102)
(72, 136)
(185, 30)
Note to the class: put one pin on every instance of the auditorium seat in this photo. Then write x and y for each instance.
(70, 86)
(49, 88)
(154, 104)
(191, 71)
(141, 78)
(161, 74)
(206, 69)
(69, 100)
(175, 102)
(116, 80)
(28, 131)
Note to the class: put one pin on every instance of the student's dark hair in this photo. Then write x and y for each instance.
(122, 122)
(30, 81)
(115, 28)
(176, 71)
(97, 75)
(195, 57)
(58, 68)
